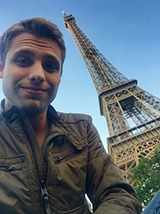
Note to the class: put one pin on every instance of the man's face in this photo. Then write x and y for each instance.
(31, 73)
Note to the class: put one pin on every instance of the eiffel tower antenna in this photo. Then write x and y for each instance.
(64, 14)
(132, 114)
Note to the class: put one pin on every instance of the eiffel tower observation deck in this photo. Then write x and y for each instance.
(132, 114)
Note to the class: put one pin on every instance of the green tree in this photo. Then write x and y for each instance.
(146, 176)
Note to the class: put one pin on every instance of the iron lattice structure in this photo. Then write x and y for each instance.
(132, 114)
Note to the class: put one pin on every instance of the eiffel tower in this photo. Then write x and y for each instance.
(132, 114)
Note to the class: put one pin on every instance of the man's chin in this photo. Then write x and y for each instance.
(32, 110)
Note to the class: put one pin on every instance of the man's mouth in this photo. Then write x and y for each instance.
(34, 90)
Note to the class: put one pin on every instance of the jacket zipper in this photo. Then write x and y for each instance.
(45, 199)
(42, 177)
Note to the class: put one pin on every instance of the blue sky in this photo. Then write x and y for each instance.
(126, 32)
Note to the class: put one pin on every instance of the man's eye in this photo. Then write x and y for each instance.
(23, 62)
(50, 67)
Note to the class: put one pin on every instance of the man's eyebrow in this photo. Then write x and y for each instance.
(33, 53)
(28, 52)
(48, 56)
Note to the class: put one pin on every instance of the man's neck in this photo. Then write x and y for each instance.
(40, 126)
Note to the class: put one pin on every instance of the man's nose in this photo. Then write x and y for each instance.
(37, 73)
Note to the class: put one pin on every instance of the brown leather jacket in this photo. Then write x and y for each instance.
(55, 178)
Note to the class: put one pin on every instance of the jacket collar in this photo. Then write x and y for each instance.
(59, 126)
(12, 114)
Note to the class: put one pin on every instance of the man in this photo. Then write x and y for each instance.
(49, 160)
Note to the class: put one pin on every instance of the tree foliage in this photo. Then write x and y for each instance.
(146, 176)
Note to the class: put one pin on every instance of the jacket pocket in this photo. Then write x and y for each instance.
(68, 155)
(14, 186)
(12, 164)
(63, 149)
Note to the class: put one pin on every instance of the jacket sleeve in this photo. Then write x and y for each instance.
(107, 189)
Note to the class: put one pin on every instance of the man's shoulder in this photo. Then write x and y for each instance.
(68, 117)
(74, 117)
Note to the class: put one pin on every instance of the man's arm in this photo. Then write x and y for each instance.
(107, 189)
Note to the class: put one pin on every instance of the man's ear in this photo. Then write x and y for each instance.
(1, 70)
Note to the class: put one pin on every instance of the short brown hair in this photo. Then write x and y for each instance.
(36, 26)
